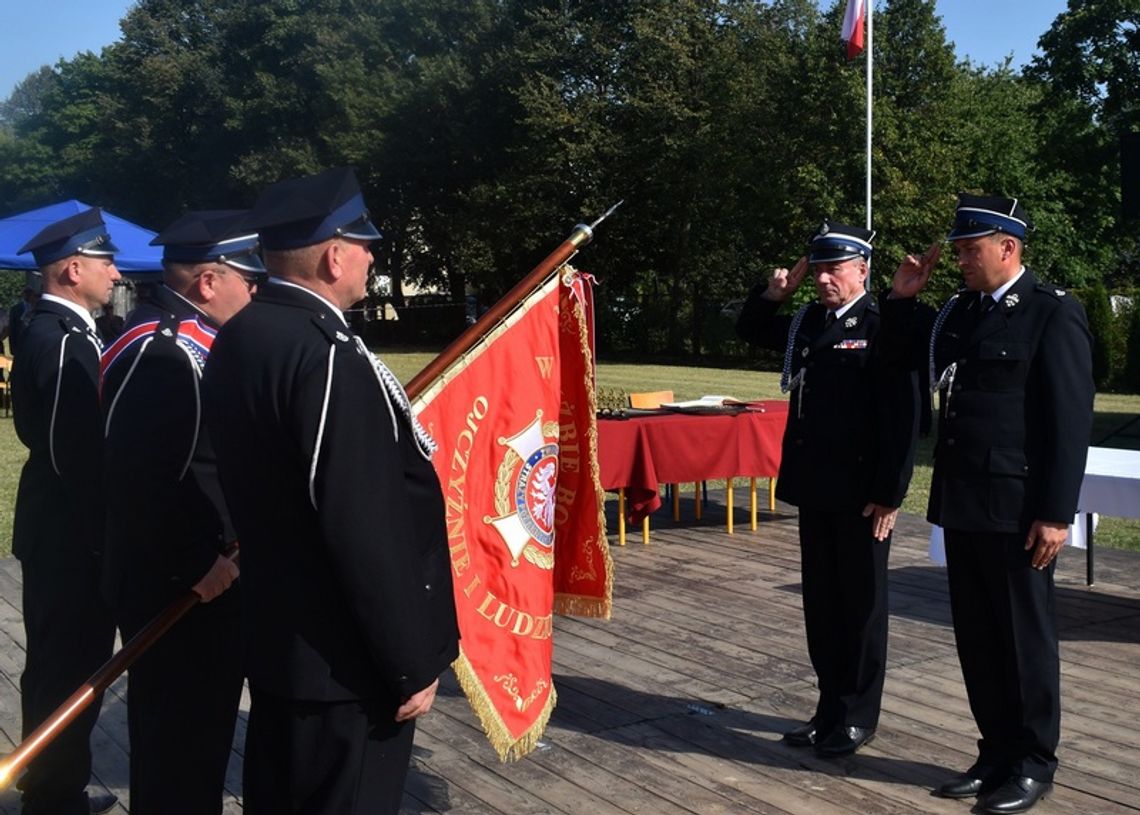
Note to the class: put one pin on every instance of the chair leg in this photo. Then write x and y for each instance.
(621, 516)
(731, 504)
(772, 494)
(645, 529)
(676, 501)
(697, 498)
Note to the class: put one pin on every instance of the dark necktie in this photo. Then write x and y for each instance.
(988, 302)
(829, 320)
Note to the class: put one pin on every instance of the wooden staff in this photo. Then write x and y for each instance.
(64, 715)
(581, 235)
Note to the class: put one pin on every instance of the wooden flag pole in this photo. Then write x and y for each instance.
(65, 714)
(581, 236)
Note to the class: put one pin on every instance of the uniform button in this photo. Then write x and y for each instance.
(953, 414)
(962, 361)
(427, 586)
(949, 442)
(799, 442)
(1002, 354)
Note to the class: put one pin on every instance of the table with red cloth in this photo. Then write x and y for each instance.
(640, 453)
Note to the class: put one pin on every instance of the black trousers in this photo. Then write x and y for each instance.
(1005, 624)
(70, 634)
(844, 573)
(182, 705)
(324, 758)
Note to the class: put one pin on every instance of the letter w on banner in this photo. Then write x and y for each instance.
(517, 460)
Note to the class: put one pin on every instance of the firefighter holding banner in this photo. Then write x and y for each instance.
(348, 611)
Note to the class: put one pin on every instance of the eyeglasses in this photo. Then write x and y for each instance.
(250, 280)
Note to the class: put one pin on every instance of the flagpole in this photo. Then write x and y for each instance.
(870, 104)
(581, 235)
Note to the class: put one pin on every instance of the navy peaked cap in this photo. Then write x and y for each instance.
(83, 233)
(833, 242)
(979, 215)
(212, 236)
(304, 211)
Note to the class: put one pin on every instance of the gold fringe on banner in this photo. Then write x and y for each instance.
(565, 602)
(505, 745)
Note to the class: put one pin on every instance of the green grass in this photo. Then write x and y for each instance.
(1116, 424)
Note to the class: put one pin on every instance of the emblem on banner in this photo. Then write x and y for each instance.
(524, 493)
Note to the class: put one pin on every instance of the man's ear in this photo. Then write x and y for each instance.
(331, 260)
(202, 289)
(71, 270)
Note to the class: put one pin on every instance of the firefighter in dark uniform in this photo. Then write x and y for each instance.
(58, 531)
(348, 613)
(1011, 358)
(848, 454)
(167, 524)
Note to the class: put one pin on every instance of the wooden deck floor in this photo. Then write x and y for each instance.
(676, 705)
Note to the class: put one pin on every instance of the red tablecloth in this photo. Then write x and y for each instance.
(643, 452)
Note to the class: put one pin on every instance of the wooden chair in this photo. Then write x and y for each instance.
(5, 383)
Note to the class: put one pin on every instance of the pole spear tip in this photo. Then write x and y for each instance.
(607, 213)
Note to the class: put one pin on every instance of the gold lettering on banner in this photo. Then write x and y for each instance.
(454, 504)
(511, 619)
(545, 366)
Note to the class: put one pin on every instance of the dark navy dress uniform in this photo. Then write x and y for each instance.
(58, 528)
(1016, 395)
(167, 523)
(346, 582)
(1013, 435)
(849, 441)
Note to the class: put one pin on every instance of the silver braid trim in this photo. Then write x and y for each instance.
(394, 392)
(937, 381)
(786, 381)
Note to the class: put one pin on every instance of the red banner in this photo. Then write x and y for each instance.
(517, 459)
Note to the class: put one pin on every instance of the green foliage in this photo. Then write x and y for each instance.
(483, 129)
(1099, 311)
(1130, 380)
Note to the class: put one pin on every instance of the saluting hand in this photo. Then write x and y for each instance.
(1046, 539)
(417, 704)
(783, 284)
(882, 519)
(913, 273)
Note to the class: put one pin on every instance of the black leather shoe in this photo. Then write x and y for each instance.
(802, 736)
(1017, 795)
(964, 786)
(98, 804)
(844, 741)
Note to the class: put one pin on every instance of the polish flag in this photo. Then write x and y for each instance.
(853, 27)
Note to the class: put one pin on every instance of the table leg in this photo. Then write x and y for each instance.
(676, 502)
(645, 529)
(621, 516)
(772, 494)
(697, 497)
(752, 501)
(731, 503)
(1089, 578)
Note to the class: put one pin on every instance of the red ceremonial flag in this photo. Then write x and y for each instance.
(853, 27)
(517, 460)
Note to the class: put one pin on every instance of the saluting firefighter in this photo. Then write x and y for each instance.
(58, 531)
(348, 611)
(1011, 358)
(848, 455)
(167, 523)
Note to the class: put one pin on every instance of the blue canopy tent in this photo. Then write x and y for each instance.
(136, 255)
